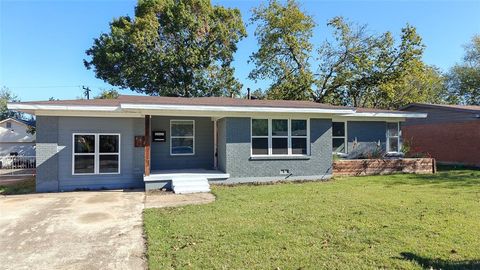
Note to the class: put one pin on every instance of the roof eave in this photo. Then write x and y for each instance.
(388, 115)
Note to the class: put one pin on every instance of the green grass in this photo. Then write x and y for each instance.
(390, 222)
(21, 187)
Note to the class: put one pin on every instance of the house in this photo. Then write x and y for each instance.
(450, 133)
(186, 143)
(15, 140)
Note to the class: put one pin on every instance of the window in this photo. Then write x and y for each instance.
(279, 137)
(182, 138)
(339, 137)
(9, 124)
(393, 137)
(96, 153)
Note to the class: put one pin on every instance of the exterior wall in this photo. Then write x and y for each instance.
(54, 153)
(367, 134)
(222, 144)
(203, 157)
(455, 143)
(243, 168)
(448, 135)
(16, 139)
(46, 154)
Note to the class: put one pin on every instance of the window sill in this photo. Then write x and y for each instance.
(279, 157)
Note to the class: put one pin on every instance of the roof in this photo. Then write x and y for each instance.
(472, 108)
(148, 104)
(30, 123)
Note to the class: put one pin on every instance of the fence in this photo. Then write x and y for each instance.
(17, 165)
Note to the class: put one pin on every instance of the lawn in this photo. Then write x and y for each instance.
(390, 222)
(20, 187)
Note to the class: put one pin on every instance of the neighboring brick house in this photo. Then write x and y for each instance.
(450, 133)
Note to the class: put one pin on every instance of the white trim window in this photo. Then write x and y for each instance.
(95, 153)
(279, 137)
(182, 137)
(339, 137)
(393, 137)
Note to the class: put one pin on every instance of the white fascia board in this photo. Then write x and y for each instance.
(229, 109)
(387, 115)
(38, 107)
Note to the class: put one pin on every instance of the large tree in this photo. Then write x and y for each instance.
(363, 69)
(171, 47)
(463, 80)
(7, 96)
(283, 33)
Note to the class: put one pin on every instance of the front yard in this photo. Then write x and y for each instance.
(399, 221)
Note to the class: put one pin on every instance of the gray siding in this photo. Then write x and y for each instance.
(441, 115)
(46, 154)
(131, 159)
(367, 134)
(242, 168)
(222, 143)
(203, 158)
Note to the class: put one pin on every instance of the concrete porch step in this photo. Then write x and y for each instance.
(182, 185)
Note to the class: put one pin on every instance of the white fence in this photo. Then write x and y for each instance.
(17, 165)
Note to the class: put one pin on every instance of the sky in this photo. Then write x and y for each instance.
(43, 43)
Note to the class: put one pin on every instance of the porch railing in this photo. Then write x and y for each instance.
(17, 165)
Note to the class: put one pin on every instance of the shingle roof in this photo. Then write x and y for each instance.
(447, 106)
(199, 101)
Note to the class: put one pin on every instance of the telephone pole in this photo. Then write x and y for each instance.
(86, 91)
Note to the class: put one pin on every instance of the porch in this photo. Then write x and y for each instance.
(184, 157)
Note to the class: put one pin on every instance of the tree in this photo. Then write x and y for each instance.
(367, 70)
(8, 96)
(283, 33)
(172, 48)
(108, 94)
(463, 80)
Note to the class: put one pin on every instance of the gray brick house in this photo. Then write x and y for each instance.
(186, 143)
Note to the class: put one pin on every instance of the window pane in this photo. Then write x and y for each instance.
(299, 146)
(279, 127)
(279, 146)
(108, 163)
(260, 146)
(109, 143)
(299, 127)
(259, 127)
(393, 144)
(84, 164)
(84, 143)
(338, 128)
(182, 146)
(182, 128)
(392, 129)
(339, 145)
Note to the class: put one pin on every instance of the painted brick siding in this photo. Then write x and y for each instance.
(446, 142)
(222, 141)
(203, 157)
(46, 154)
(131, 158)
(242, 168)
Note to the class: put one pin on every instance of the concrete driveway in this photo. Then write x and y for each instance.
(73, 230)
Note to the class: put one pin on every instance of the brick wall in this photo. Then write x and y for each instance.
(446, 142)
(383, 166)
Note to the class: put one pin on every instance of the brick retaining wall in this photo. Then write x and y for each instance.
(383, 166)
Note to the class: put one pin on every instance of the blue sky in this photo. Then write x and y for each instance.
(43, 43)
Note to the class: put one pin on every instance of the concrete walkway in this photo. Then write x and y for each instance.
(167, 199)
(72, 230)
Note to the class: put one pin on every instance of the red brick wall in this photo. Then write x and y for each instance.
(446, 142)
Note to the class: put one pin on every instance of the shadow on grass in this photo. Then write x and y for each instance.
(446, 179)
(428, 263)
